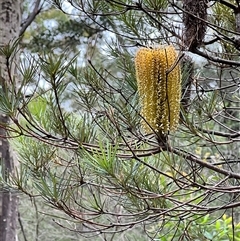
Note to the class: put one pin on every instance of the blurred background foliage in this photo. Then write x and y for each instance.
(87, 168)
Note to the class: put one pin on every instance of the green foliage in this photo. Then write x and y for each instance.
(224, 16)
(75, 124)
(201, 229)
(56, 30)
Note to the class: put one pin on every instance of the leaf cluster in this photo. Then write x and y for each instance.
(76, 123)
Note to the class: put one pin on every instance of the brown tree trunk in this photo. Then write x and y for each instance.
(9, 30)
(195, 11)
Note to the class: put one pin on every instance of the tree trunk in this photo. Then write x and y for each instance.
(10, 17)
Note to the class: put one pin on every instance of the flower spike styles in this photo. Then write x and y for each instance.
(159, 85)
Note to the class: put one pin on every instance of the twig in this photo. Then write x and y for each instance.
(31, 17)
(21, 226)
(191, 157)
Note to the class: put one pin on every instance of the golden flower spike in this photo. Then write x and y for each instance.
(159, 85)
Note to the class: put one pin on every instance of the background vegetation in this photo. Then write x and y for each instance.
(85, 165)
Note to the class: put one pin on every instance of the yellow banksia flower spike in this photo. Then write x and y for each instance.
(159, 86)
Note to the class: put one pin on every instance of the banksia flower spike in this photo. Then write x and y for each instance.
(159, 86)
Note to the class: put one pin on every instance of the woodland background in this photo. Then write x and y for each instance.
(75, 162)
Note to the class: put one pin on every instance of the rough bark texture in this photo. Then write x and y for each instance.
(187, 72)
(9, 30)
(237, 38)
(195, 11)
(237, 14)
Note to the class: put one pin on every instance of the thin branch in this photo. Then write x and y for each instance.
(21, 226)
(228, 4)
(212, 41)
(215, 59)
(158, 22)
(195, 159)
(37, 219)
(219, 133)
(37, 9)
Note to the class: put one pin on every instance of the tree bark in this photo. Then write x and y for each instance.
(10, 18)
(195, 11)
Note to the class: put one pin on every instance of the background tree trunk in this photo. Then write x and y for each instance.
(10, 16)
